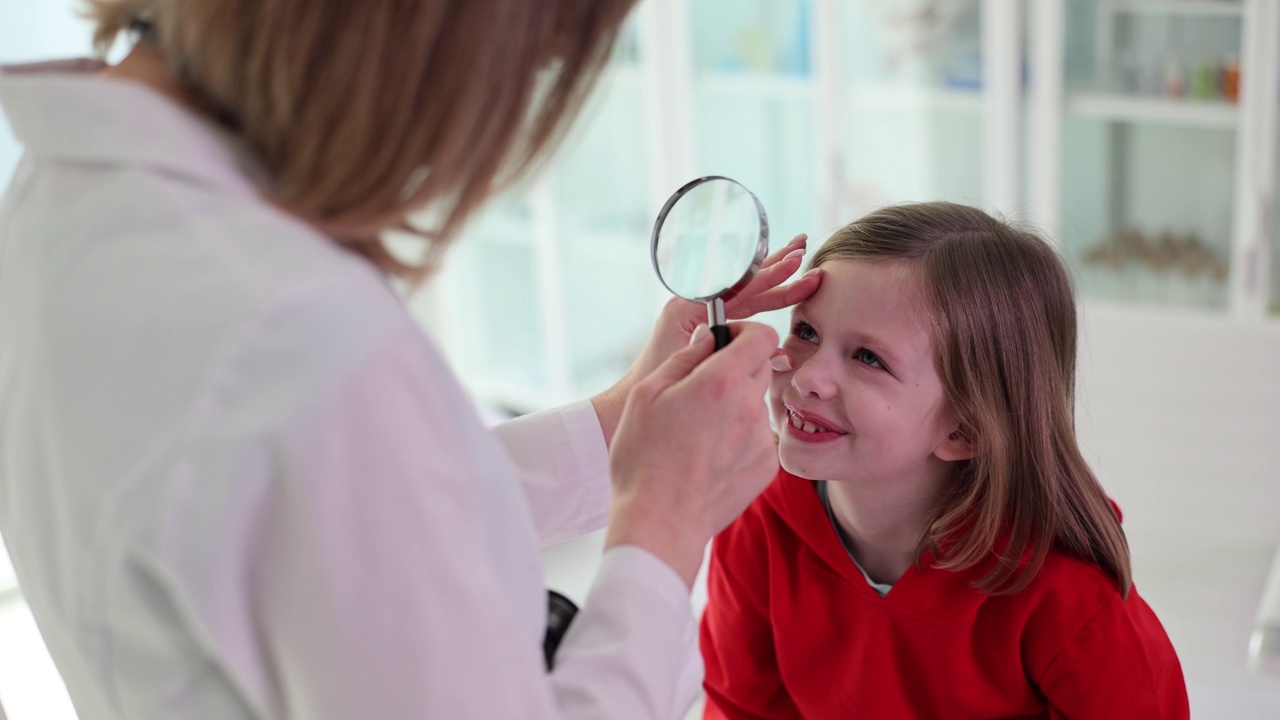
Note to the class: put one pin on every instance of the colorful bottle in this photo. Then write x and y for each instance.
(1231, 79)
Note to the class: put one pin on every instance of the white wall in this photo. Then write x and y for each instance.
(1180, 417)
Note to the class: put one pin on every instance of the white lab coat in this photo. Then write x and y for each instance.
(238, 481)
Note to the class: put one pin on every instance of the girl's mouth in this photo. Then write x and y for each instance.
(808, 428)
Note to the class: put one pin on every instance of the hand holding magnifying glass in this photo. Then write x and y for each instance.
(709, 240)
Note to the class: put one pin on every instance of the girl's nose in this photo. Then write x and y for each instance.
(813, 377)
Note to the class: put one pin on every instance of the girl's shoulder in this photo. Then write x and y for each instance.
(1063, 572)
(1078, 629)
(1067, 596)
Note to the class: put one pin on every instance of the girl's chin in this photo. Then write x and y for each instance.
(794, 467)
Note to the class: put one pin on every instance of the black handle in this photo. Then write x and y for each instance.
(722, 335)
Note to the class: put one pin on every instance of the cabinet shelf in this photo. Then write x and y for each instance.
(1201, 8)
(913, 98)
(1154, 110)
(757, 86)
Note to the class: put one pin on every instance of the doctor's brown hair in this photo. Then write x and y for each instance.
(363, 113)
(1004, 323)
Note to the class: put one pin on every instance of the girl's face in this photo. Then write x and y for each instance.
(863, 399)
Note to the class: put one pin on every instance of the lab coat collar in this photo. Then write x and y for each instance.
(64, 111)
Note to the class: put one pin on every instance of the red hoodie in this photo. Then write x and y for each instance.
(793, 630)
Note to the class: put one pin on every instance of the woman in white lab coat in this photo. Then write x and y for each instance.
(236, 479)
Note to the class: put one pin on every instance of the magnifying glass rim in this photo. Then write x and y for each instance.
(762, 246)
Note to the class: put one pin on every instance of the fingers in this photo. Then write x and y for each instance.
(763, 293)
(742, 366)
(694, 447)
(746, 356)
(753, 339)
(777, 267)
(795, 243)
(679, 364)
(782, 297)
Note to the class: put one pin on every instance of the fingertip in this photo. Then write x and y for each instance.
(699, 334)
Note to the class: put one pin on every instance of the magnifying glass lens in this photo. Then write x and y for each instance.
(708, 241)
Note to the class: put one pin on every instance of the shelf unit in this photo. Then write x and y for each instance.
(1189, 8)
(761, 87)
(1227, 150)
(1118, 107)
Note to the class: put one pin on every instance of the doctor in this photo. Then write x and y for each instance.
(236, 479)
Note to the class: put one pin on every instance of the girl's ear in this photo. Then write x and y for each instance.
(960, 444)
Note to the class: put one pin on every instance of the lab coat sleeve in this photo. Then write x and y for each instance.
(636, 615)
(384, 581)
(563, 466)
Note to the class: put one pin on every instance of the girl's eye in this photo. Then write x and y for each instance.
(804, 331)
(868, 358)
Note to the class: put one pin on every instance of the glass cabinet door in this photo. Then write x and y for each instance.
(910, 113)
(549, 295)
(487, 308)
(752, 105)
(601, 191)
(1150, 148)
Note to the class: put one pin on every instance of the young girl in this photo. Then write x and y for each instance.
(934, 544)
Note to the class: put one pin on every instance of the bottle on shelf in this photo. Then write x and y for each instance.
(1231, 78)
(1204, 81)
(1174, 84)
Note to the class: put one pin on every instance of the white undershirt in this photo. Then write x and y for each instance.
(881, 588)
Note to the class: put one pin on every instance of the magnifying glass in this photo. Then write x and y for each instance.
(708, 242)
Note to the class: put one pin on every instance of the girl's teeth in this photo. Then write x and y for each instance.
(799, 424)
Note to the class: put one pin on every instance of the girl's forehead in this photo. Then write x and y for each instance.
(877, 297)
(890, 282)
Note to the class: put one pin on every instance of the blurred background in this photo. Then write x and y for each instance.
(1137, 135)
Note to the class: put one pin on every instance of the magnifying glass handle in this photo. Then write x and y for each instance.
(715, 319)
(721, 333)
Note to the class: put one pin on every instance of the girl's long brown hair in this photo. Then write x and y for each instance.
(1004, 319)
(363, 113)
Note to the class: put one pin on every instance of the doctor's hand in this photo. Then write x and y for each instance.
(679, 317)
(693, 447)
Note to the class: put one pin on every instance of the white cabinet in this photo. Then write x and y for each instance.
(549, 294)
